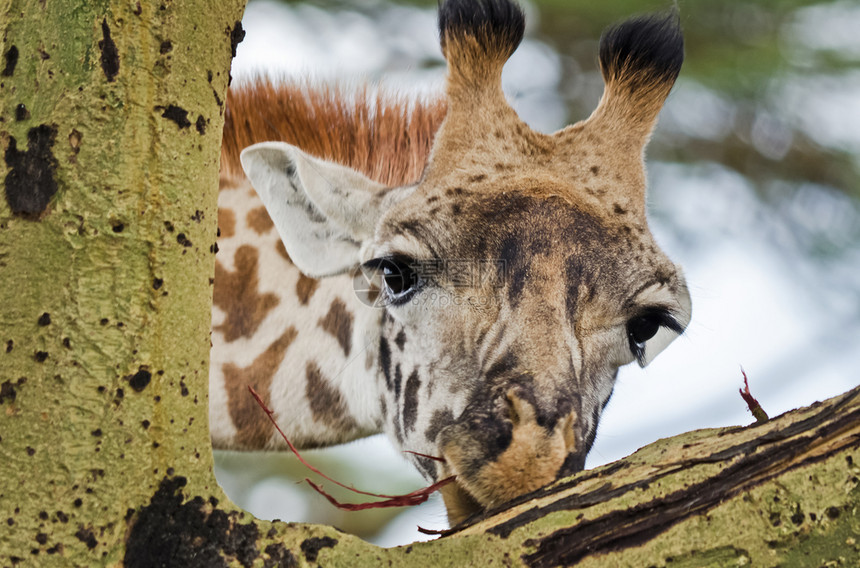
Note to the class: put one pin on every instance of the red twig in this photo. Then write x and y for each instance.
(420, 455)
(754, 406)
(414, 498)
(408, 500)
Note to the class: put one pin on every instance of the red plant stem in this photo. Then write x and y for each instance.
(416, 497)
(270, 413)
(755, 408)
(408, 500)
(420, 455)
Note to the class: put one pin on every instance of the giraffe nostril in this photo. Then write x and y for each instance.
(511, 451)
(513, 405)
(520, 410)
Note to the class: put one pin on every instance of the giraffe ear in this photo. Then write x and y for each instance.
(323, 211)
(640, 60)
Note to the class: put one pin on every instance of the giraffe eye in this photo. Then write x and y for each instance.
(399, 278)
(644, 328)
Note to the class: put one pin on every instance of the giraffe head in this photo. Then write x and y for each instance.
(517, 275)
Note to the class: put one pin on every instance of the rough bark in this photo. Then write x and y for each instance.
(110, 122)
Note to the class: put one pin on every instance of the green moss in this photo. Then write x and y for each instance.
(74, 435)
(718, 557)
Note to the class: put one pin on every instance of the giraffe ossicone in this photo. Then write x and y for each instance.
(440, 271)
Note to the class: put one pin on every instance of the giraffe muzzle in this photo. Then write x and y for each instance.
(497, 456)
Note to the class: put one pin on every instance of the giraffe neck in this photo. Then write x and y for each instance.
(308, 347)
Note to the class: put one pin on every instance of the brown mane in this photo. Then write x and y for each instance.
(386, 137)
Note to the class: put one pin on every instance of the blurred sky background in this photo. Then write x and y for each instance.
(754, 188)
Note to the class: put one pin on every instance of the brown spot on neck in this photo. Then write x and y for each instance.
(338, 322)
(282, 250)
(236, 293)
(226, 222)
(253, 427)
(305, 288)
(258, 219)
(326, 402)
(226, 182)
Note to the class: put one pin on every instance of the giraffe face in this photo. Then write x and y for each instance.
(507, 304)
(516, 276)
(507, 315)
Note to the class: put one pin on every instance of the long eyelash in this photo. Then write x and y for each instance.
(375, 263)
(668, 320)
(639, 353)
(666, 317)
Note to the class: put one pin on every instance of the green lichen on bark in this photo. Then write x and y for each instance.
(106, 224)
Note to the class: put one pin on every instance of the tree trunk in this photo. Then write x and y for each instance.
(110, 127)
(110, 124)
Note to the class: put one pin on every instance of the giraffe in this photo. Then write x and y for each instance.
(511, 272)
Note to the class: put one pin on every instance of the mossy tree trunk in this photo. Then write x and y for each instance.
(110, 124)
